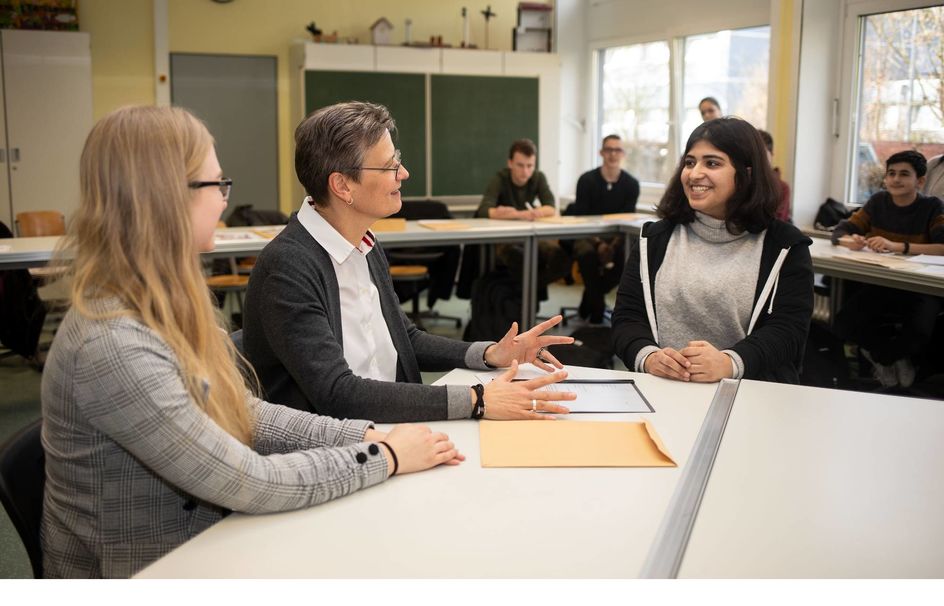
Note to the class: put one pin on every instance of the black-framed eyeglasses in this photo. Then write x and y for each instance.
(395, 169)
(225, 186)
(613, 150)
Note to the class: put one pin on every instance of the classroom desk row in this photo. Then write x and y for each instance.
(806, 482)
(840, 263)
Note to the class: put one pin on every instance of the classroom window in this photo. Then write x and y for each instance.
(635, 104)
(730, 66)
(637, 84)
(900, 93)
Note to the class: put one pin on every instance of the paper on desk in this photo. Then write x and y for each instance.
(443, 224)
(235, 236)
(935, 270)
(381, 225)
(566, 220)
(525, 371)
(5, 248)
(269, 232)
(622, 216)
(873, 258)
(571, 444)
(928, 259)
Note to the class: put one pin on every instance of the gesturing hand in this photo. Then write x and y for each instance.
(505, 399)
(708, 365)
(668, 363)
(528, 346)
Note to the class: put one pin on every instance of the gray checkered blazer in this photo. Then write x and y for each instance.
(134, 468)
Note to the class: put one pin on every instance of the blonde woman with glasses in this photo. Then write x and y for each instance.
(150, 433)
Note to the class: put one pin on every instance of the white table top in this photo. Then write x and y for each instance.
(468, 521)
(910, 276)
(823, 483)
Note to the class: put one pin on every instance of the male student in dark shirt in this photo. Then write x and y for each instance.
(520, 192)
(899, 220)
(604, 190)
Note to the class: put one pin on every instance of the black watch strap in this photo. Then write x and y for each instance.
(478, 408)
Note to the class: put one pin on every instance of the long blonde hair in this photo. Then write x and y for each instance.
(131, 238)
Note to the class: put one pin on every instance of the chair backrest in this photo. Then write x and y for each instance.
(22, 480)
(40, 223)
(415, 210)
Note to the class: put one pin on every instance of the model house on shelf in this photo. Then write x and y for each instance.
(381, 32)
(533, 32)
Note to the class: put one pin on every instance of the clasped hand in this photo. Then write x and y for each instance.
(876, 243)
(700, 362)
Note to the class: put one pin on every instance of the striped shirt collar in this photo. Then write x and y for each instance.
(328, 237)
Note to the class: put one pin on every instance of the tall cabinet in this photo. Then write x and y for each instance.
(46, 93)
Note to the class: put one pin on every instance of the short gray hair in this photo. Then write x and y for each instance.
(335, 139)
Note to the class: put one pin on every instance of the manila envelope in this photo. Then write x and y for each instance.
(382, 225)
(571, 444)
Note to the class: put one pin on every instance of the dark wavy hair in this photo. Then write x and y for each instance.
(753, 206)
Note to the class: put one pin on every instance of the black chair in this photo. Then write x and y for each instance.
(22, 480)
(424, 268)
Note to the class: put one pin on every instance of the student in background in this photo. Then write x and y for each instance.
(520, 192)
(783, 210)
(718, 288)
(709, 109)
(323, 326)
(149, 431)
(603, 190)
(899, 220)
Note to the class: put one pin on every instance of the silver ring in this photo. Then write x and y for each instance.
(534, 405)
(540, 355)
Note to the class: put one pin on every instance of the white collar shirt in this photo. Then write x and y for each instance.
(368, 347)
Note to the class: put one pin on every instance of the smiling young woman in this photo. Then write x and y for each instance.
(718, 288)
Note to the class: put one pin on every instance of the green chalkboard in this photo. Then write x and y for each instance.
(403, 94)
(474, 121)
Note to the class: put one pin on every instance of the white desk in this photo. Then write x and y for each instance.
(815, 482)
(468, 521)
(910, 277)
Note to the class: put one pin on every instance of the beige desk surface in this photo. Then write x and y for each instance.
(467, 521)
(823, 483)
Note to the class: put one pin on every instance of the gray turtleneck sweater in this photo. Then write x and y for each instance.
(704, 289)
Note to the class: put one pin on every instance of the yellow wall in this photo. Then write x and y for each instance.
(784, 76)
(123, 41)
(265, 27)
(122, 52)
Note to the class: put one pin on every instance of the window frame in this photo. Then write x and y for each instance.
(846, 104)
(652, 191)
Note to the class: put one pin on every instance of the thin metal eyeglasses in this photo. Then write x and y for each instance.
(395, 169)
(225, 186)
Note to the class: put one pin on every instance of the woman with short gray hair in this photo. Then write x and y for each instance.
(323, 326)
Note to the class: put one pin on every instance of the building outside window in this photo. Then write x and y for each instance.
(900, 101)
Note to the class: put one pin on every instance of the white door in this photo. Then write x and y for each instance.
(48, 82)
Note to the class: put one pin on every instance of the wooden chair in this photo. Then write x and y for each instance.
(38, 223)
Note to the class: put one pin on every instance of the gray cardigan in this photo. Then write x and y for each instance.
(292, 336)
(135, 468)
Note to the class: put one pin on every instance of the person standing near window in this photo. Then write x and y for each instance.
(709, 108)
